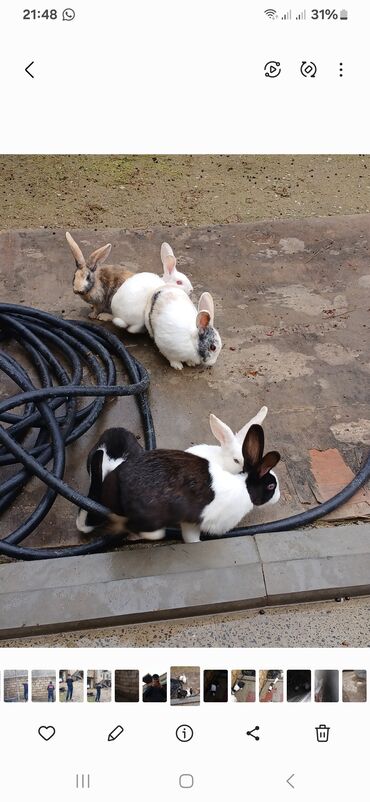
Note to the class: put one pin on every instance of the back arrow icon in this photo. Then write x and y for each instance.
(27, 69)
(289, 779)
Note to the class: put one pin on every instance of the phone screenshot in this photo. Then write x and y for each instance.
(184, 401)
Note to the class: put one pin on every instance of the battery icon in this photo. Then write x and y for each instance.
(343, 14)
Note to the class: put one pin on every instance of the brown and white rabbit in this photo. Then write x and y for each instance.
(151, 490)
(229, 453)
(129, 302)
(181, 332)
(94, 282)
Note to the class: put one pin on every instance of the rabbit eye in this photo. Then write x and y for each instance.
(212, 347)
(178, 282)
(271, 486)
(237, 461)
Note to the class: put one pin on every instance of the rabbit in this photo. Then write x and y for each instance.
(94, 283)
(151, 490)
(228, 455)
(180, 332)
(113, 447)
(129, 302)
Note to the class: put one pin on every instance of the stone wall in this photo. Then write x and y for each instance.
(13, 686)
(127, 686)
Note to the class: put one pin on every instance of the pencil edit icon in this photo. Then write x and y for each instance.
(115, 733)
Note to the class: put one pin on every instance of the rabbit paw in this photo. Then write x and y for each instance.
(135, 329)
(190, 533)
(191, 364)
(105, 316)
(176, 365)
(93, 315)
(159, 534)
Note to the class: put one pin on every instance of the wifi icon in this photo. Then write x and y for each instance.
(271, 13)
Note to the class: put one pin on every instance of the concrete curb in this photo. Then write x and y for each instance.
(181, 580)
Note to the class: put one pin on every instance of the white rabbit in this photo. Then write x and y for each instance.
(236, 495)
(129, 302)
(228, 455)
(180, 331)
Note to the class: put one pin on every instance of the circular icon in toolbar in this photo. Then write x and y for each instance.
(68, 14)
(272, 69)
(184, 733)
(308, 69)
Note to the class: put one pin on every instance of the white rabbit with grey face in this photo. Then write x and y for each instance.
(129, 302)
(228, 455)
(181, 332)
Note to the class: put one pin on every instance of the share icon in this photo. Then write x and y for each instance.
(251, 733)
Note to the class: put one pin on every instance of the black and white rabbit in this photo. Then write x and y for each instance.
(151, 490)
(181, 332)
(114, 447)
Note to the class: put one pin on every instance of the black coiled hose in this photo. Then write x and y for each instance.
(79, 344)
(41, 335)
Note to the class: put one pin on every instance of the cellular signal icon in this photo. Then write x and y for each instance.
(287, 15)
(271, 13)
(302, 15)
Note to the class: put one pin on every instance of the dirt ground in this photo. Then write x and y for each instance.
(141, 191)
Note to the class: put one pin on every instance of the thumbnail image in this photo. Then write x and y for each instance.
(71, 685)
(185, 685)
(354, 686)
(327, 686)
(243, 685)
(271, 686)
(298, 685)
(215, 686)
(43, 686)
(155, 688)
(15, 686)
(228, 296)
(126, 686)
(99, 686)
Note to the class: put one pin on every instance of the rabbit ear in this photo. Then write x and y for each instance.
(259, 418)
(253, 446)
(269, 461)
(168, 258)
(206, 304)
(220, 430)
(99, 256)
(203, 319)
(77, 253)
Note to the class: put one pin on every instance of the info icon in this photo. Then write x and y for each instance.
(272, 69)
(184, 733)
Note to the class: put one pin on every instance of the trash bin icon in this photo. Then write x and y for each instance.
(322, 733)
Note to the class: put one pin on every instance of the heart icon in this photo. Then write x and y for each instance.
(46, 732)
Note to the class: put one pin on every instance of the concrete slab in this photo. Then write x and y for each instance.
(303, 580)
(313, 543)
(140, 597)
(183, 580)
(125, 565)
